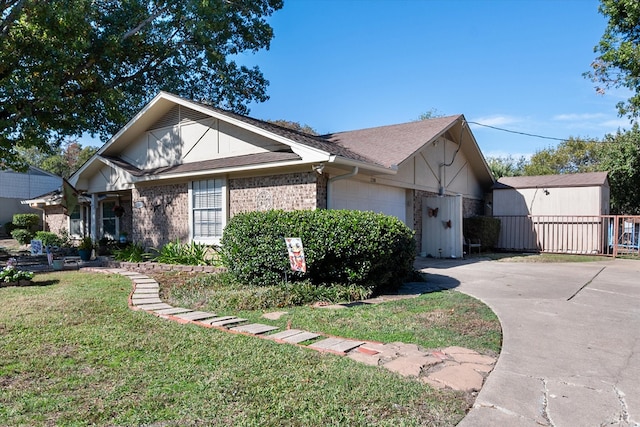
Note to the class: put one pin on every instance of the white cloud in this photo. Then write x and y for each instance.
(579, 117)
(497, 120)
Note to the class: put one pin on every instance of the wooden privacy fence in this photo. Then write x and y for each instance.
(610, 235)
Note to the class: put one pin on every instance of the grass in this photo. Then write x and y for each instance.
(72, 354)
(432, 320)
(542, 257)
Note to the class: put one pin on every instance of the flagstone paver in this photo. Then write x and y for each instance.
(153, 285)
(154, 307)
(174, 310)
(285, 334)
(228, 322)
(219, 319)
(339, 345)
(301, 337)
(146, 291)
(254, 328)
(196, 315)
(141, 301)
(453, 367)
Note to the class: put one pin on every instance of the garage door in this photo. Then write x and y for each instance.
(364, 196)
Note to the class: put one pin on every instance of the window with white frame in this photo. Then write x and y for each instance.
(207, 209)
(109, 227)
(75, 223)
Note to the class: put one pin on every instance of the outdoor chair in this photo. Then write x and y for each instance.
(472, 243)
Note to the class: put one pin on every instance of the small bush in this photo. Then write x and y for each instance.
(133, 252)
(187, 254)
(49, 239)
(26, 221)
(485, 228)
(22, 235)
(341, 247)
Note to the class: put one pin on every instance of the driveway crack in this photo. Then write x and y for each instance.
(586, 284)
(545, 402)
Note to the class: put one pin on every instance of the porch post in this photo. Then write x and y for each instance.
(94, 217)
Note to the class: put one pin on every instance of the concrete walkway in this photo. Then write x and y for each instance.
(571, 350)
(451, 367)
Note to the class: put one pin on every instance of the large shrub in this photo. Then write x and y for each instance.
(341, 247)
(24, 227)
(26, 221)
(49, 238)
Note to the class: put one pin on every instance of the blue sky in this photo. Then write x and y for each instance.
(517, 64)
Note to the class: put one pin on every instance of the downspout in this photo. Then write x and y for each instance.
(333, 179)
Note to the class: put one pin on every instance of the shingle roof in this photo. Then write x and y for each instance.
(384, 146)
(391, 145)
(588, 179)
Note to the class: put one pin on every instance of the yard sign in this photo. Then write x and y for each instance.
(296, 254)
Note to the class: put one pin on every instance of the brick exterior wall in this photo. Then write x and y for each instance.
(293, 191)
(55, 219)
(163, 217)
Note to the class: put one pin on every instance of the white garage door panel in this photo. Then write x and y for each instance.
(363, 196)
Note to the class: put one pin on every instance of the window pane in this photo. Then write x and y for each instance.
(109, 228)
(75, 227)
(207, 208)
(108, 220)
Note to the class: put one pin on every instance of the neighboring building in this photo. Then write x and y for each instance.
(556, 213)
(180, 170)
(568, 194)
(17, 186)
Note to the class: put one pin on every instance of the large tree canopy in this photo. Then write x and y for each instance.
(574, 155)
(620, 156)
(618, 61)
(74, 66)
(64, 160)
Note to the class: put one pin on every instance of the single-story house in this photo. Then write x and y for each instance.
(556, 213)
(17, 186)
(180, 169)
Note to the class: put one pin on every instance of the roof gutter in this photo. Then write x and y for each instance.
(333, 179)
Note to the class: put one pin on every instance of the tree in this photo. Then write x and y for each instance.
(506, 166)
(63, 162)
(620, 157)
(294, 126)
(74, 66)
(618, 62)
(571, 156)
(430, 114)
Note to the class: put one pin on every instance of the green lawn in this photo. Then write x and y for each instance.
(72, 353)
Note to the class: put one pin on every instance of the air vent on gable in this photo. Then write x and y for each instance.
(178, 114)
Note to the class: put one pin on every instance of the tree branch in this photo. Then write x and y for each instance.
(8, 22)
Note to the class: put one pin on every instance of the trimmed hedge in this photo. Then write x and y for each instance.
(26, 221)
(341, 247)
(485, 228)
(24, 227)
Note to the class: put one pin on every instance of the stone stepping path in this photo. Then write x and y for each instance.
(452, 367)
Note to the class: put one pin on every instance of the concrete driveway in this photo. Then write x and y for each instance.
(571, 350)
